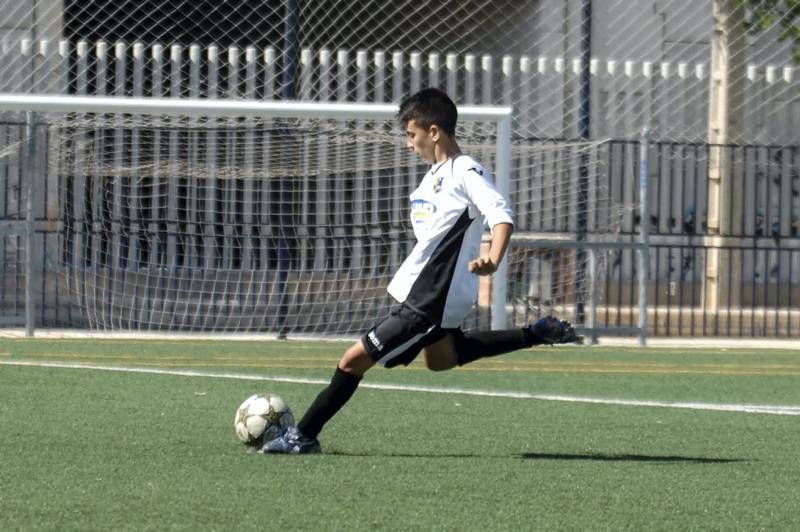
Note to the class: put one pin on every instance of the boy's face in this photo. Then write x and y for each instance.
(422, 140)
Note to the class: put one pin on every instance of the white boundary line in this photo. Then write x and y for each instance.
(781, 410)
(670, 342)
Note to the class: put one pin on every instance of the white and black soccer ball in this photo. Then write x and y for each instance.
(261, 418)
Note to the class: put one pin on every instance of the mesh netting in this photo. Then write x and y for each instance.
(714, 82)
(290, 225)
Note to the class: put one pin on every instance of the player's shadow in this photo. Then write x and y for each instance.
(589, 457)
(646, 458)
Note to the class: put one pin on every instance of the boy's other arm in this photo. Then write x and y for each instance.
(501, 234)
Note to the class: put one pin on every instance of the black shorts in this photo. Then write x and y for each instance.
(399, 338)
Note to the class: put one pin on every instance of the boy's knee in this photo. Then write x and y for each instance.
(439, 364)
(441, 356)
(356, 360)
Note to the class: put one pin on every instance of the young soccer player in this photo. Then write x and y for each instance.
(437, 284)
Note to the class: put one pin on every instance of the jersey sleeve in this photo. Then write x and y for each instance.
(481, 191)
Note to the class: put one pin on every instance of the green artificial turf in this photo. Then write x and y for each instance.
(87, 449)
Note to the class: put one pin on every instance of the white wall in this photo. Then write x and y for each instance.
(642, 30)
(39, 19)
(35, 21)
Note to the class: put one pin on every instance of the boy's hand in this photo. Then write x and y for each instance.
(501, 234)
(481, 266)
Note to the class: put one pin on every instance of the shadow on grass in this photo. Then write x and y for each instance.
(589, 457)
(601, 457)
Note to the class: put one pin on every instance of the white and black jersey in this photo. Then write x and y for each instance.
(448, 212)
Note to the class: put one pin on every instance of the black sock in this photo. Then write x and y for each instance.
(328, 402)
(474, 345)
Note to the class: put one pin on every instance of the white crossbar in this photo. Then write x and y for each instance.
(213, 107)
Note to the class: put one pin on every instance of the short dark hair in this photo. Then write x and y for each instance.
(428, 107)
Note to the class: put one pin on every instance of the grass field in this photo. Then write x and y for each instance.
(557, 448)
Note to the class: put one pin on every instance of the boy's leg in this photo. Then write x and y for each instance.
(459, 348)
(396, 340)
(351, 368)
(453, 349)
(475, 345)
(441, 355)
(303, 438)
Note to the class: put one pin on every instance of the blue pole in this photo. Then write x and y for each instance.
(644, 234)
(30, 221)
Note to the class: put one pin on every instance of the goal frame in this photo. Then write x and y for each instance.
(33, 104)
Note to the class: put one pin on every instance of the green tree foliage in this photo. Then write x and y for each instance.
(765, 14)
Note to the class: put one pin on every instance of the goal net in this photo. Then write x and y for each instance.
(293, 224)
(714, 82)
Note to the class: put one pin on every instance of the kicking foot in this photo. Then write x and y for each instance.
(550, 330)
(292, 442)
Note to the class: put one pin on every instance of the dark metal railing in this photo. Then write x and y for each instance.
(754, 253)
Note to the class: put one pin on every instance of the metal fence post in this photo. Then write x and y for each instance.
(503, 183)
(30, 164)
(592, 319)
(644, 235)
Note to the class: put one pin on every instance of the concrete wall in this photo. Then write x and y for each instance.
(649, 30)
(33, 19)
(38, 22)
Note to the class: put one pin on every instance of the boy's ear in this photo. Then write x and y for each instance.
(434, 132)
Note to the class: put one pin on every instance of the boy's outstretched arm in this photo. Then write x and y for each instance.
(501, 234)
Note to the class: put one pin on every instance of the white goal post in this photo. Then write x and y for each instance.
(158, 108)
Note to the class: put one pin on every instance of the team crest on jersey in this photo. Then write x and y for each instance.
(437, 184)
(477, 170)
(421, 210)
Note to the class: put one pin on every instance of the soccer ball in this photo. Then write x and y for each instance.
(262, 417)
